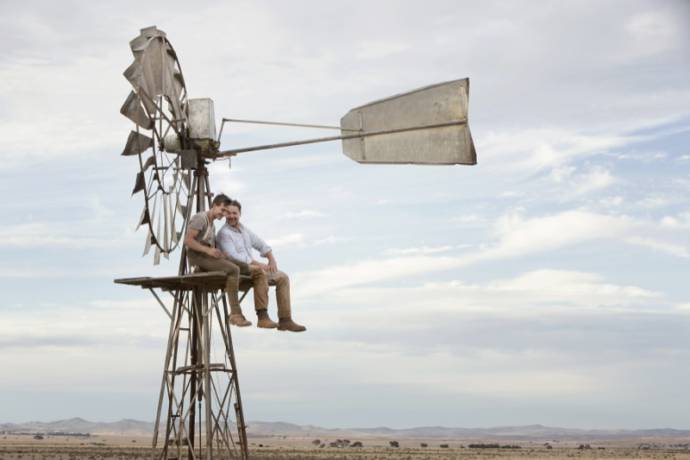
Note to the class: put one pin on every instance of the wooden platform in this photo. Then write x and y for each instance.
(206, 280)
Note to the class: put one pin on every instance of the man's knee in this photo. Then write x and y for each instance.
(231, 269)
(281, 278)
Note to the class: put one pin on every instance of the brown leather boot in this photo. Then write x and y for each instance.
(238, 319)
(287, 324)
(265, 321)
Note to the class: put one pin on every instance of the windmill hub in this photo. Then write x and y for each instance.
(172, 143)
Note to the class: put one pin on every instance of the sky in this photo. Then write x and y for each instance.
(547, 284)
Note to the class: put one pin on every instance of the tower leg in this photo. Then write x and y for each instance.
(200, 395)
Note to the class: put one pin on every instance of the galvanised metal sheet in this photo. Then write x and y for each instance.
(444, 104)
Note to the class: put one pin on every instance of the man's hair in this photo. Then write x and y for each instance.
(221, 200)
(236, 203)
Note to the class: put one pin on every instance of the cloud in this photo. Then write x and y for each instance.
(518, 236)
(531, 294)
(654, 201)
(676, 250)
(536, 150)
(642, 157)
(103, 322)
(303, 214)
(653, 32)
(595, 179)
(45, 234)
(286, 240)
(514, 236)
(612, 201)
(379, 49)
(330, 239)
(678, 222)
(468, 220)
(423, 250)
(299, 240)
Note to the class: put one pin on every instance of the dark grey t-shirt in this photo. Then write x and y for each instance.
(207, 232)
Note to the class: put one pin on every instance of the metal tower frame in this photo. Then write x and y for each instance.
(199, 397)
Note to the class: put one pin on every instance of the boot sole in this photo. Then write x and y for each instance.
(248, 323)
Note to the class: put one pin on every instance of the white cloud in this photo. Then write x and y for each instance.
(654, 201)
(330, 239)
(422, 250)
(103, 321)
(515, 236)
(538, 293)
(536, 150)
(299, 240)
(468, 220)
(518, 236)
(612, 201)
(379, 49)
(595, 179)
(58, 235)
(368, 271)
(676, 250)
(643, 157)
(653, 32)
(579, 288)
(286, 240)
(679, 222)
(303, 214)
(226, 180)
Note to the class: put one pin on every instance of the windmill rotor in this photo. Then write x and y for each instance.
(158, 107)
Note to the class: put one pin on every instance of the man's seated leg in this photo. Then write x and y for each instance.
(260, 284)
(285, 322)
(232, 283)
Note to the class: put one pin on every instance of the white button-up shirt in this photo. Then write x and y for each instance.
(237, 243)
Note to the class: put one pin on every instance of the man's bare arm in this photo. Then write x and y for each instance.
(191, 243)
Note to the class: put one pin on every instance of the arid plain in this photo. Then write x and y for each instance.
(128, 447)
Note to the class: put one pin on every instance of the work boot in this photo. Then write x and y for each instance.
(238, 319)
(265, 321)
(287, 324)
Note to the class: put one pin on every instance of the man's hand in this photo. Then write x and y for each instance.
(215, 253)
(272, 265)
(257, 264)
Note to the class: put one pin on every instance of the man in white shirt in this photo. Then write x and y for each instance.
(237, 241)
(202, 252)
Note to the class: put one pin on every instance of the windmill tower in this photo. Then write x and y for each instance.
(200, 412)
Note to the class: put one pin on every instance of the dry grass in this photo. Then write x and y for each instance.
(137, 448)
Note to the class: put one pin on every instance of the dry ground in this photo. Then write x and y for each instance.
(281, 448)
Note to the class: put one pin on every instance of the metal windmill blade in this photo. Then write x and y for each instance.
(157, 105)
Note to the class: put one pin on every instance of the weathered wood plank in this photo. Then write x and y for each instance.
(204, 280)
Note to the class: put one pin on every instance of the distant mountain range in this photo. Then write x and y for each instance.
(527, 432)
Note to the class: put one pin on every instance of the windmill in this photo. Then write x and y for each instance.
(199, 412)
